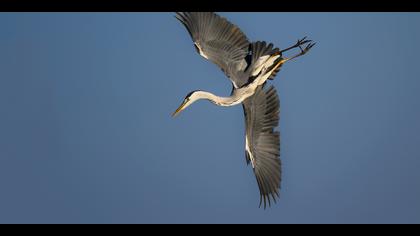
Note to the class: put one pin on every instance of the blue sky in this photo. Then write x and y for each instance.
(87, 137)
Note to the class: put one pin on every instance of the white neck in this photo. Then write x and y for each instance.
(238, 96)
(220, 101)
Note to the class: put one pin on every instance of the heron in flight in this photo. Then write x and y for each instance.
(248, 65)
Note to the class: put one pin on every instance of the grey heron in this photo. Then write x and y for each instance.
(248, 65)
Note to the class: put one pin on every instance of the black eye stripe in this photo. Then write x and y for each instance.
(189, 95)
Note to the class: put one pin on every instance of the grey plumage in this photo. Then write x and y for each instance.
(258, 50)
(217, 39)
(261, 117)
(248, 66)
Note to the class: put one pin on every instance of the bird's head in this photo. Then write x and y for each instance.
(188, 100)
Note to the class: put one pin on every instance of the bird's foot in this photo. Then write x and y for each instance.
(306, 49)
(299, 43)
(303, 51)
(302, 41)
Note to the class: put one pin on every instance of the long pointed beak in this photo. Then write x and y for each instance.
(180, 108)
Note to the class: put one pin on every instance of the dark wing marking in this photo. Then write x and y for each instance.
(216, 39)
(263, 151)
(259, 52)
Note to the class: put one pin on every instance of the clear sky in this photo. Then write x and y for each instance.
(86, 134)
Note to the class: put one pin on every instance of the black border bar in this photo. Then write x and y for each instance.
(209, 5)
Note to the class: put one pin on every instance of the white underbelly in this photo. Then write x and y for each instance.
(265, 64)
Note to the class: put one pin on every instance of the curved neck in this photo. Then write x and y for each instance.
(220, 101)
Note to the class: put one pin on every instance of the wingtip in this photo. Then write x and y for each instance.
(178, 16)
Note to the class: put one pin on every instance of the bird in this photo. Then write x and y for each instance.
(248, 65)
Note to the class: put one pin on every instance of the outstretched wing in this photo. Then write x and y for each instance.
(217, 40)
(262, 142)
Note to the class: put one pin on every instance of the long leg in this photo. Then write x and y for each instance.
(303, 51)
(299, 43)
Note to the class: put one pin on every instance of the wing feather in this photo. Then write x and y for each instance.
(216, 39)
(261, 117)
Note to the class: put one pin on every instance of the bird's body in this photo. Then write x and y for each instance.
(248, 66)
